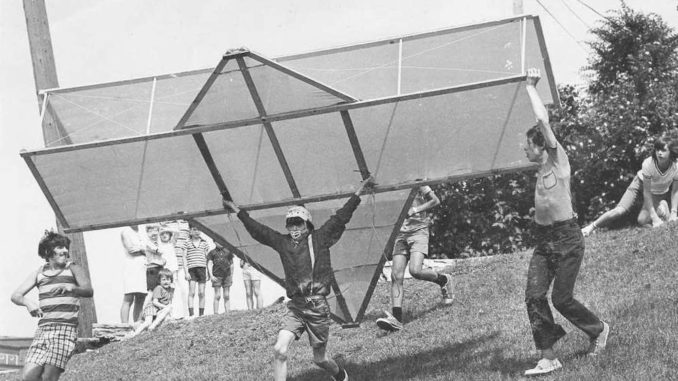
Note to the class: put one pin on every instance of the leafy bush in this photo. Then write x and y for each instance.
(607, 130)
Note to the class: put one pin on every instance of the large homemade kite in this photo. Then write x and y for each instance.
(304, 129)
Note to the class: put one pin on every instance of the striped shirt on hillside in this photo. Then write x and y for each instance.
(62, 308)
(181, 229)
(196, 255)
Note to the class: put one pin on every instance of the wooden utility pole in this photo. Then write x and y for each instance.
(518, 7)
(44, 73)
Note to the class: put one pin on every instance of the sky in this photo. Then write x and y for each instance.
(112, 40)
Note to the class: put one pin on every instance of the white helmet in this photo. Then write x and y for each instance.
(298, 211)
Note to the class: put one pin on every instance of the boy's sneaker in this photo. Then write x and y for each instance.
(389, 323)
(544, 366)
(345, 376)
(598, 344)
(447, 290)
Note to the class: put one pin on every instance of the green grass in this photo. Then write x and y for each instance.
(628, 279)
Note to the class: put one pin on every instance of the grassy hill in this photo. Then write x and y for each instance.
(628, 278)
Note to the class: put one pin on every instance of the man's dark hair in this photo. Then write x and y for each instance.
(49, 242)
(535, 135)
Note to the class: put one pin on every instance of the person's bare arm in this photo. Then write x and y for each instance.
(19, 295)
(83, 288)
(431, 202)
(533, 76)
(648, 204)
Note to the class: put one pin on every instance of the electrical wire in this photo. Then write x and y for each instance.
(575, 14)
(591, 8)
(562, 26)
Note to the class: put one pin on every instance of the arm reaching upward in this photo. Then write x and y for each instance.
(533, 76)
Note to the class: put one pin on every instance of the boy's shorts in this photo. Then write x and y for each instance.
(149, 310)
(633, 196)
(311, 315)
(53, 344)
(218, 281)
(407, 243)
(251, 274)
(198, 274)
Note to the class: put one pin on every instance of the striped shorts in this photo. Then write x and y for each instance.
(53, 344)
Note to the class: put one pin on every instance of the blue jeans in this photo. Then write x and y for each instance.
(557, 258)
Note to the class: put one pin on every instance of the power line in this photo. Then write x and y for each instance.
(562, 26)
(591, 8)
(575, 14)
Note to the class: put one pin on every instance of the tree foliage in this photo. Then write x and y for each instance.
(607, 129)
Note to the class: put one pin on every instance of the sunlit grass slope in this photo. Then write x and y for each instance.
(628, 278)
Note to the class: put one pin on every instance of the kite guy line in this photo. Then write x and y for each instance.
(150, 108)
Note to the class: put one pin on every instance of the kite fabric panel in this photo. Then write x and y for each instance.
(357, 257)
(443, 135)
(428, 61)
(118, 110)
(379, 69)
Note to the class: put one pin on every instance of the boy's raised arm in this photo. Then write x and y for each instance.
(260, 232)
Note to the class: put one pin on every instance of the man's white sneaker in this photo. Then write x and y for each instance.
(598, 344)
(389, 323)
(587, 230)
(544, 366)
(345, 376)
(448, 290)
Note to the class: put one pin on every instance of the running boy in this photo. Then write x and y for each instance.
(160, 306)
(560, 245)
(60, 284)
(305, 257)
(220, 269)
(412, 245)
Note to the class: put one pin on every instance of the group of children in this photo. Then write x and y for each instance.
(174, 247)
(305, 255)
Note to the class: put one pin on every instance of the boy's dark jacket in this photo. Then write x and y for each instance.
(295, 256)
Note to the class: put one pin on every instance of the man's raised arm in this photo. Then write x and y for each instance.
(533, 76)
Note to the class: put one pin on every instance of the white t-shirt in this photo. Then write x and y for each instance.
(660, 182)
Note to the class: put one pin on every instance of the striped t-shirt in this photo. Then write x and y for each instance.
(59, 308)
(181, 229)
(196, 255)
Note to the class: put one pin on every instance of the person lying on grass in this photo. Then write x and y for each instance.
(559, 251)
(655, 187)
(60, 285)
(305, 255)
(160, 305)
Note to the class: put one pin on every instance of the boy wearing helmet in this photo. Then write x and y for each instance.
(305, 257)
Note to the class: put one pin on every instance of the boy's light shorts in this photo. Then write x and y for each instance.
(310, 315)
(149, 310)
(633, 196)
(53, 344)
(250, 274)
(407, 243)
